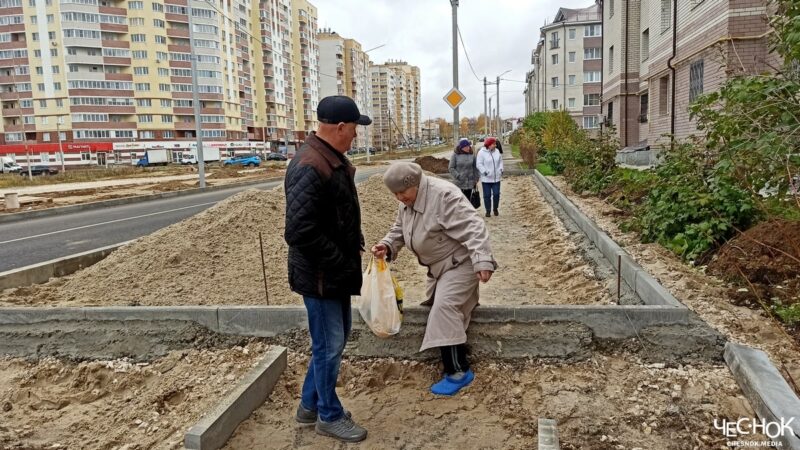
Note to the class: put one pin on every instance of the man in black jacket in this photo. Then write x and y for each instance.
(323, 231)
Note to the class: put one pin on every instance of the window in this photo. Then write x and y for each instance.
(117, 52)
(34, 20)
(13, 137)
(591, 76)
(202, 28)
(590, 122)
(147, 135)
(136, 5)
(645, 45)
(36, 53)
(45, 137)
(72, 51)
(90, 117)
(164, 87)
(572, 33)
(26, 103)
(592, 53)
(29, 120)
(142, 86)
(571, 103)
(12, 20)
(554, 41)
(663, 95)
(145, 118)
(554, 104)
(611, 59)
(50, 18)
(57, 85)
(166, 118)
(44, 157)
(610, 110)
(554, 81)
(591, 99)
(141, 70)
(166, 103)
(203, 13)
(592, 30)
(572, 80)
(59, 102)
(40, 86)
(137, 21)
(644, 105)
(42, 103)
(175, 9)
(53, 52)
(138, 38)
(35, 37)
(143, 102)
(79, 33)
(158, 7)
(168, 134)
(55, 69)
(572, 57)
(666, 15)
(610, 8)
(554, 59)
(163, 56)
(695, 80)
(139, 54)
(86, 156)
(39, 70)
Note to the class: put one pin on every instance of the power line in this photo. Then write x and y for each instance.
(464, 46)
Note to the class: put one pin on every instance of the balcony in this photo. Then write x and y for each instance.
(175, 32)
(554, 43)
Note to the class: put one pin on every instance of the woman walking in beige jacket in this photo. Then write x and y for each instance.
(440, 226)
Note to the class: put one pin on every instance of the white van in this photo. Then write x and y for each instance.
(9, 166)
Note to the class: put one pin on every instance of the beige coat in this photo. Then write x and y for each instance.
(450, 239)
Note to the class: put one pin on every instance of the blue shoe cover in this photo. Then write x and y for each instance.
(450, 386)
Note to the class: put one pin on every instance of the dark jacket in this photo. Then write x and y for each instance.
(323, 223)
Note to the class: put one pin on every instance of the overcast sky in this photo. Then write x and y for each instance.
(498, 34)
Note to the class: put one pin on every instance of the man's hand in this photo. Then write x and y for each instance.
(379, 251)
(484, 275)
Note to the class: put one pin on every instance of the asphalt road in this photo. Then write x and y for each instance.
(37, 240)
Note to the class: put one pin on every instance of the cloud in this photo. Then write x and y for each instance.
(498, 35)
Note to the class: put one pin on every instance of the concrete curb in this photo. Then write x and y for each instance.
(15, 217)
(42, 272)
(767, 391)
(643, 284)
(214, 430)
(606, 321)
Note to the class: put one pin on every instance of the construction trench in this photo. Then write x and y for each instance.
(161, 344)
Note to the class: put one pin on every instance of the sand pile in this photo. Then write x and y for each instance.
(115, 404)
(433, 164)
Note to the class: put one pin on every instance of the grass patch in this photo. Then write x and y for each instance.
(545, 169)
(515, 151)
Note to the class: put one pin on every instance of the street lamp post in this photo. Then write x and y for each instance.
(60, 144)
(454, 4)
(367, 83)
(499, 129)
(198, 126)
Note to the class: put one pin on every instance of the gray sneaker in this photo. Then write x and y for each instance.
(309, 416)
(343, 429)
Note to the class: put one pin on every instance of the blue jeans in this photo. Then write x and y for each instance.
(491, 191)
(329, 323)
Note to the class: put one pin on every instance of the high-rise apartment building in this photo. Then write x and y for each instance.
(116, 75)
(659, 56)
(344, 70)
(396, 103)
(567, 65)
(306, 68)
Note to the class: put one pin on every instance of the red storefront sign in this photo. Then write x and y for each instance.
(69, 147)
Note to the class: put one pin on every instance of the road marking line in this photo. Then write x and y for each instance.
(105, 223)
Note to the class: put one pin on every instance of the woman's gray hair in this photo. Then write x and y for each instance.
(401, 176)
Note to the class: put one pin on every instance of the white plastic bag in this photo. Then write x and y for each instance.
(380, 303)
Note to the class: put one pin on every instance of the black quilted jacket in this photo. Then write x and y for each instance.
(323, 223)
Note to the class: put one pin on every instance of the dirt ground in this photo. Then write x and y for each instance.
(217, 177)
(704, 294)
(433, 164)
(645, 407)
(213, 258)
(115, 404)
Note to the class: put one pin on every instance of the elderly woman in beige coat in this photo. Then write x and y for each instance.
(440, 226)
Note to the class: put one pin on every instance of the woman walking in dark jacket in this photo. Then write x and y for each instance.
(462, 168)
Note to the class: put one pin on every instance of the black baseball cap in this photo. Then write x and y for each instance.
(340, 108)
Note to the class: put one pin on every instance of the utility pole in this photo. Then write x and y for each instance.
(60, 146)
(201, 164)
(389, 113)
(499, 131)
(485, 111)
(454, 4)
(490, 118)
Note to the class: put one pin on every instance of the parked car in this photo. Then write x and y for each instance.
(276, 157)
(39, 170)
(244, 160)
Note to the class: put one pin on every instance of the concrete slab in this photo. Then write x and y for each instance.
(262, 321)
(42, 272)
(214, 430)
(630, 269)
(10, 316)
(203, 315)
(548, 435)
(767, 391)
(653, 293)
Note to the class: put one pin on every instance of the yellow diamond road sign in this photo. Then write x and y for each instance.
(454, 98)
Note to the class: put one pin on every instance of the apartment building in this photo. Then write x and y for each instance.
(396, 103)
(344, 70)
(567, 64)
(113, 75)
(661, 55)
(306, 73)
